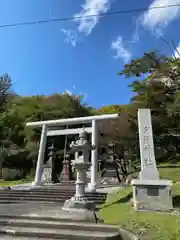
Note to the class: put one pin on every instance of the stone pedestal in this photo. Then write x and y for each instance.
(79, 201)
(153, 195)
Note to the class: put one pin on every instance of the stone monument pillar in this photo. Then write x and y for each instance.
(79, 201)
(148, 163)
(149, 192)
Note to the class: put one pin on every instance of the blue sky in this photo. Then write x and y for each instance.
(82, 56)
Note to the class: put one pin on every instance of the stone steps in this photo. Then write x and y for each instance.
(47, 199)
(52, 193)
(46, 194)
(33, 223)
(14, 192)
(6, 237)
(42, 201)
(57, 234)
(39, 193)
(60, 199)
(26, 194)
(29, 227)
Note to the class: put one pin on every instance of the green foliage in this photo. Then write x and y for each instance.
(23, 142)
(159, 91)
(5, 91)
(109, 109)
(145, 64)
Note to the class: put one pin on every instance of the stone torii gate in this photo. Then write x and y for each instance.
(47, 131)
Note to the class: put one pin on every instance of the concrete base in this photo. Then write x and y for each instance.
(80, 214)
(36, 184)
(80, 207)
(152, 195)
(74, 204)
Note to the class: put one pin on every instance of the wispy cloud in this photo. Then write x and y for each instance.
(70, 36)
(157, 20)
(177, 51)
(85, 95)
(74, 87)
(69, 92)
(121, 51)
(91, 7)
(85, 25)
(75, 92)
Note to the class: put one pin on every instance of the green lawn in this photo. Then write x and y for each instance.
(146, 225)
(12, 183)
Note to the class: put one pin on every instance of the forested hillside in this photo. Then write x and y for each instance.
(156, 85)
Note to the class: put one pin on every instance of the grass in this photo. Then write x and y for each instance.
(145, 225)
(29, 178)
(170, 172)
(11, 183)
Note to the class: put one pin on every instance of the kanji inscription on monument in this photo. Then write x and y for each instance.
(148, 162)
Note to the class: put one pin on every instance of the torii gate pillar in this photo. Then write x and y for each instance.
(94, 158)
(42, 147)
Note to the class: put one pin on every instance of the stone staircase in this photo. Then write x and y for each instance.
(57, 193)
(37, 214)
(26, 227)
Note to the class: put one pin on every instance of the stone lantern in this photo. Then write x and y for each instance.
(81, 147)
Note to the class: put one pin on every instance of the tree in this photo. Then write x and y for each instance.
(158, 91)
(110, 109)
(35, 108)
(5, 91)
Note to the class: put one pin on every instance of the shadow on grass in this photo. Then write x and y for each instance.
(176, 201)
(124, 199)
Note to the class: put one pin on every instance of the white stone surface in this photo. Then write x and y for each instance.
(148, 163)
(67, 131)
(94, 158)
(149, 192)
(41, 153)
(60, 122)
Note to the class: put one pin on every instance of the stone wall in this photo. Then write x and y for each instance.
(10, 174)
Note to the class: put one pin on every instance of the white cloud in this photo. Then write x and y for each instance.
(85, 24)
(158, 19)
(91, 7)
(69, 92)
(75, 92)
(177, 51)
(74, 87)
(85, 96)
(121, 52)
(70, 36)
